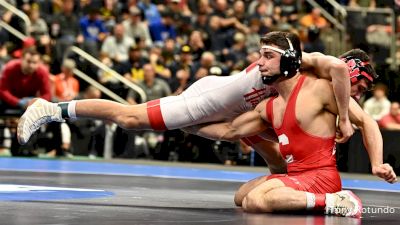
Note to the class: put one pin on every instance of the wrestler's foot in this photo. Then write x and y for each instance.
(345, 203)
(39, 113)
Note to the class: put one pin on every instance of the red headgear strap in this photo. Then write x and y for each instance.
(356, 69)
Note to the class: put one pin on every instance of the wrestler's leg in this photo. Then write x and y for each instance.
(126, 116)
(276, 164)
(161, 114)
(246, 188)
(266, 197)
(277, 196)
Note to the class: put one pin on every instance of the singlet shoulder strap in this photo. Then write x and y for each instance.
(291, 105)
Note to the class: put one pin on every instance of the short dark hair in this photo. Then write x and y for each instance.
(31, 50)
(278, 38)
(363, 56)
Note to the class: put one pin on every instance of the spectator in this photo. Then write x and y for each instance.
(206, 62)
(93, 30)
(22, 80)
(109, 80)
(117, 45)
(38, 29)
(184, 61)
(253, 37)
(133, 69)
(217, 35)
(151, 13)
(392, 120)
(154, 87)
(362, 3)
(267, 8)
(66, 86)
(4, 56)
(314, 19)
(239, 11)
(378, 105)
(163, 29)
(181, 82)
(168, 52)
(65, 29)
(203, 7)
(109, 12)
(286, 12)
(158, 63)
(314, 42)
(196, 42)
(237, 53)
(136, 28)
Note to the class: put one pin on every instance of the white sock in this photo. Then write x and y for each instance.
(72, 109)
(330, 204)
(310, 201)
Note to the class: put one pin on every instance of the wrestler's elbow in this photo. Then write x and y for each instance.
(367, 123)
(338, 67)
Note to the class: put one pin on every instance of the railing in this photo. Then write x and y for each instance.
(18, 13)
(337, 47)
(390, 12)
(79, 73)
(107, 69)
(99, 86)
(12, 30)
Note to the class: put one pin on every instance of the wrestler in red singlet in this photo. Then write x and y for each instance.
(311, 161)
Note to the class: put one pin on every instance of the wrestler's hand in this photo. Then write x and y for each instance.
(385, 171)
(346, 130)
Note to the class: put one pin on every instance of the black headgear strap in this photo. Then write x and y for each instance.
(289, 65)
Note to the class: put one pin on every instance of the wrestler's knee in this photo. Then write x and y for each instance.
(238, 199)
(129, 118)
(256, 202)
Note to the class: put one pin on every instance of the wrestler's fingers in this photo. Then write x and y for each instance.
(392, 180)
(340, 138)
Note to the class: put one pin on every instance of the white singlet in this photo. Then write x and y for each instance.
(210, 99)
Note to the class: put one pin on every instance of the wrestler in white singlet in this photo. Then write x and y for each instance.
(210, 99)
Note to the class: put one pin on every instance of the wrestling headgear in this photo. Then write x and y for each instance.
(290, 63)
(357, 69)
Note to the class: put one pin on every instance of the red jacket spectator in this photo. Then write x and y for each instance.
(24, 79)
(392, 120)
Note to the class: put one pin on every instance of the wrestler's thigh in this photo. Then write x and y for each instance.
(267, 186)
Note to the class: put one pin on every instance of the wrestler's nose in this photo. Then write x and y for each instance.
(260, 61)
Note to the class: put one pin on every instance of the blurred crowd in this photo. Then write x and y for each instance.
(163, 46)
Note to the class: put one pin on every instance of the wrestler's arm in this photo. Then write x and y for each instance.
(372, 137)
(247, 124)
(373, 142)
(335, 70)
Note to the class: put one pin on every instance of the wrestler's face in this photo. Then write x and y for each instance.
(359, 88)
(269, 62)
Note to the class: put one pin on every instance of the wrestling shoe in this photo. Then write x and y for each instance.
(345, 203)
(39, 113)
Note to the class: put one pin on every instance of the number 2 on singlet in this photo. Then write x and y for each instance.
(283, 139)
